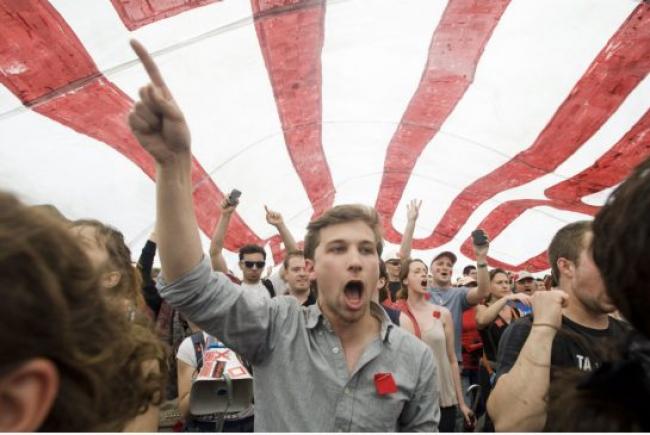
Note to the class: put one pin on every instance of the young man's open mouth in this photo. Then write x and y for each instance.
(353, 292)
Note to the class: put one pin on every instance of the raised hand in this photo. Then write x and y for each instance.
(413, 209)
(547, 307)
(272, 217)
(156, 120)
(227, 208)
(521, 297)
(482, 250)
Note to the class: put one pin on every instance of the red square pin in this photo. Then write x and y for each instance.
(385, 384)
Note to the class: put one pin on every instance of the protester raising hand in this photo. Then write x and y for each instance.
(156, 120)
(273, 217)
(413, 209)
(547, 308)
(159, 125)
(216, 243)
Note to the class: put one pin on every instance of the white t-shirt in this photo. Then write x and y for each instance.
(279, 286)
(257, 289)
(188, 356)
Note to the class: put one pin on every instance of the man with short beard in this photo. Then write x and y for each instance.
(568, 328)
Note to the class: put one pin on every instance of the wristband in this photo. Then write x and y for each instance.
(546, 324)
(481, 265)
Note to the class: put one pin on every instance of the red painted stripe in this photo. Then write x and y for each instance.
(503, 215)
(138, 13)
(291, 33)
(611, 168)
(456, 47)
(55, 76)
(37, 57)
(615, 72)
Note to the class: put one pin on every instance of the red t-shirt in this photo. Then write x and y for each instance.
(471, 340)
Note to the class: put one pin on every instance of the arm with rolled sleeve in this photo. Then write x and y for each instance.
(422, 412)
(243, 321)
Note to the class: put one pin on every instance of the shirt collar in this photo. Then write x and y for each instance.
(314, 314)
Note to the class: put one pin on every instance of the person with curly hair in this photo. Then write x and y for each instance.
(121, 284)
(70, 361)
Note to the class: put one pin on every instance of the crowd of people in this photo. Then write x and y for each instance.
(343, 337)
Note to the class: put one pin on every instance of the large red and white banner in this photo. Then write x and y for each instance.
(511, 115)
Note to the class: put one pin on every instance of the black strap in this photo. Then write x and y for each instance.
(199, 343)
(269, 286)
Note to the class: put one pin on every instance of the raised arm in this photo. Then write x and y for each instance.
(145, 266)
(412, 210)
(216, 244)
(480, 292)
(159, 125)
(518, 401)
(275, 219)
(485, 315)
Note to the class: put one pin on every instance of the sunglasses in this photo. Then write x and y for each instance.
(393, 262)
(254, 264)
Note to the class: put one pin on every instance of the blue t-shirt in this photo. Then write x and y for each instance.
(455, 300)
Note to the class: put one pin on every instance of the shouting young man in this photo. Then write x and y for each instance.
(338, 365)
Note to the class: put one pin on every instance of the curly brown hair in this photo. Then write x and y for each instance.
(119, 257)
(52, 309)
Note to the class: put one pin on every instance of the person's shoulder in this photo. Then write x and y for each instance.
(407, 343)
(444, 310)
(187, 341)
(518, 329)
(619, 327)
(458, 292)
(525, 322)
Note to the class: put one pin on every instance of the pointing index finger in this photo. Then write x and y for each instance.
(149, 65)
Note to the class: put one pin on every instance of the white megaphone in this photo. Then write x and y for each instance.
(223, 385)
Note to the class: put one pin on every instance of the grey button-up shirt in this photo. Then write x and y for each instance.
(302, 383)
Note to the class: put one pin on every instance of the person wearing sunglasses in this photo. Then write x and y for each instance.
(252, 261)
(252, 258)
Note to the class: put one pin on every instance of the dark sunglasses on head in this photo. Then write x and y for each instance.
(257, 264)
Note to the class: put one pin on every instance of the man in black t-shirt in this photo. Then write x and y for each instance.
(570, 327)
(392, 261)
(574, 345)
